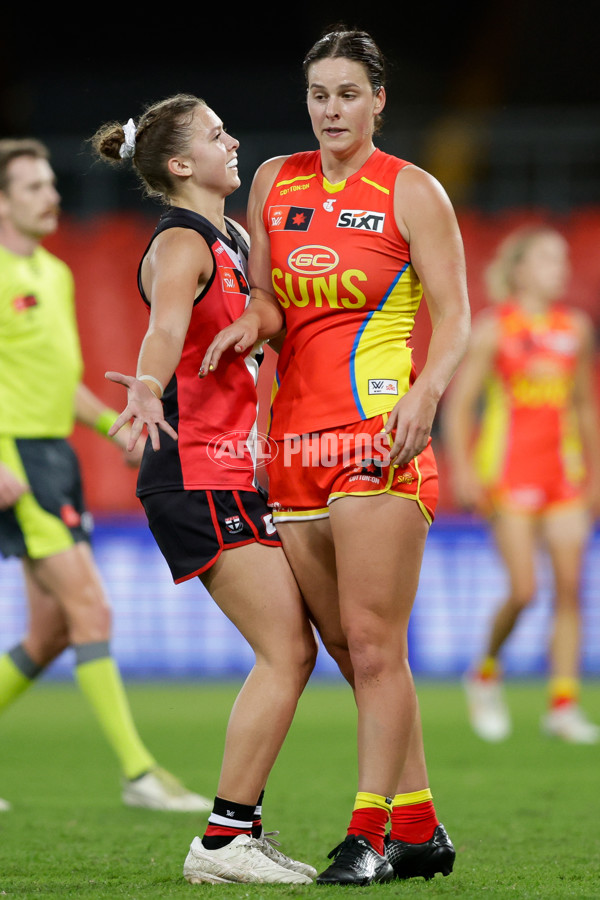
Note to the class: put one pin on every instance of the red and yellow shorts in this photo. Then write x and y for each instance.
(545, 493)
(308, 472)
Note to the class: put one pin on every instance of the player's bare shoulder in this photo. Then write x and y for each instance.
(420, 201)
(267, 173)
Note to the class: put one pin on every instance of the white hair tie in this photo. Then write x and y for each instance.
(127, 148)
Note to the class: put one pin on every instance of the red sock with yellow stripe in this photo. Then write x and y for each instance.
(413, 817)
(370, 817)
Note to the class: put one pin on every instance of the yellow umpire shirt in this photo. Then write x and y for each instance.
(40, 354)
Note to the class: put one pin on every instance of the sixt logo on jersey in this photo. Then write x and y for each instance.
(290, 218)
(363, 219)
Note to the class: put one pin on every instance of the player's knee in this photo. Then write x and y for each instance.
(522, 596)
(304, 657)
(568, 598)
(90, 617)
(371, 653)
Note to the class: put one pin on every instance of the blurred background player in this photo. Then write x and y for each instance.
(534, 471)
(42, 515)
(208, 518)
(385, 233)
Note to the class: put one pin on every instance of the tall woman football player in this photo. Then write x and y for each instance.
(345, 240)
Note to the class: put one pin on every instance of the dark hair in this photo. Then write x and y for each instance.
(163, 131)
(349, 43)
(13, 148)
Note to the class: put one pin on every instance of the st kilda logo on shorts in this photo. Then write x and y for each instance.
(234, 524)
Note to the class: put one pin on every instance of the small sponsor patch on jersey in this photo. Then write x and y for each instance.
(290, 218)
(383, 386)
(233, 281)
(26, 302)
(363, 219)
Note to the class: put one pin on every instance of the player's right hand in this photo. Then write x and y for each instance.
(143, 408)
(241, 335)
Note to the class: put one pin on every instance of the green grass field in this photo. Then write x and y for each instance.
(524, 815)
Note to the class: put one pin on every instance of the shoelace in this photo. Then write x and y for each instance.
(269, 836)
(171, 784)
(345, 849)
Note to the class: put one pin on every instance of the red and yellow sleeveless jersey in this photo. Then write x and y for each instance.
(529, 432)
(342, 273)
(215, 418)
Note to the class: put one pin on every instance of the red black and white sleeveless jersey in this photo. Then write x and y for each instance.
(214, 417)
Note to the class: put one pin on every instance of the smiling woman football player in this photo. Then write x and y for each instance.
(209, 519)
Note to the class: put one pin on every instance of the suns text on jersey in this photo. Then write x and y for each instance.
(338, 290)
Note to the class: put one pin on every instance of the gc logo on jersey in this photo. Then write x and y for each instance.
(313, 259)
(362, 219)
(290, 218)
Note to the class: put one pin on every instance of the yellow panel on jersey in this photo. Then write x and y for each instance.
(491, 444)
(40, 360)
(394, 318)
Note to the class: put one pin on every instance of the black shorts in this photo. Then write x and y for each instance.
(51, 517)
(192, 528)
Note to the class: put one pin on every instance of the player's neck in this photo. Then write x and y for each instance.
(339, 166)
(533, 304)
(17, 242)
(207, 204)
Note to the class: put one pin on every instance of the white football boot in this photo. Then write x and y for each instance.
(488, 712)
(242, 861)
(269, 846)
(159, 789)
(571, 724)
